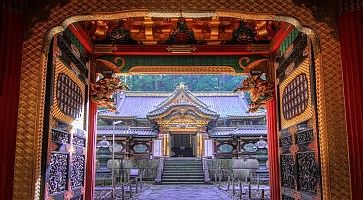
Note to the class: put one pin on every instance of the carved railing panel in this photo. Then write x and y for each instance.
(299, 142)
(307, 172)
(66, 155)
(287, 170)
(304, 137)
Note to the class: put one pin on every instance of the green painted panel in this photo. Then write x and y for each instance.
(132, 61)
(288, 41)
(74, 41)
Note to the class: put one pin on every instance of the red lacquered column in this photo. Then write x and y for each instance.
(351, 41)
(272, 139)
(91, 151)
(11, 44)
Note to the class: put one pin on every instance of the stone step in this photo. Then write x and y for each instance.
(178, 171)
(182, 171)
(166, 178)
(181, 164)
(183, 174)
(183, 168)
(183, 161)
(183, 179)
(181, 183)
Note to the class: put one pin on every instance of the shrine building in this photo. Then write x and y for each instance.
(184, 124)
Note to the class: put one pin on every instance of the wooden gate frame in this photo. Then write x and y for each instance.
(330, 97)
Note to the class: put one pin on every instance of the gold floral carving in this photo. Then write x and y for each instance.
(330, 99)
(182, 70)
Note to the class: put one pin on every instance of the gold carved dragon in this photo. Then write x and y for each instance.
(260, 89)
(101, 92)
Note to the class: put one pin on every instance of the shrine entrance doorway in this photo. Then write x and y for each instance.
(291, 67)
(182, 145)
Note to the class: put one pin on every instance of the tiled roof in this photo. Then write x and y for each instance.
(126, 131)
(249, 130)
(165, 108)
(138, 105)
(244, 130)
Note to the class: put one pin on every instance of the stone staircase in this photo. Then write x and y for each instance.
(183, 171)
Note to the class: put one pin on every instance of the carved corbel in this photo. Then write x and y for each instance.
(261, 91)
(101, 92)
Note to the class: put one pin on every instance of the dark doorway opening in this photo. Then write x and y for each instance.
(182, 145)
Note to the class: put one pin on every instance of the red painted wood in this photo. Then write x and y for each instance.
(273, 158)
(84, 41)
(351, 41)
(280, 37)
(91, 152)
(11, 44)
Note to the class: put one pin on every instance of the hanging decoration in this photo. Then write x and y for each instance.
(120, 35)
(181, 35)
(261, 90)
(242, 35)
(103, 90)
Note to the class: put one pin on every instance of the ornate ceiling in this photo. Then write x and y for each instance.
(181, 31)
(205, 44)
(203, 35)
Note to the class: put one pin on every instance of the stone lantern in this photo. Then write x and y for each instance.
(103, 155)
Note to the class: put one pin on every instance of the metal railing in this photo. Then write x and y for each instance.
(125, 190)
(249, 188)
(123, 175)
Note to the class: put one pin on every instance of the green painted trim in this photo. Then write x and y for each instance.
(75, 41)
(288, 41)
(132, 61)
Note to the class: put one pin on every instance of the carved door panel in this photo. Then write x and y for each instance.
(298, 132)
(65, 135)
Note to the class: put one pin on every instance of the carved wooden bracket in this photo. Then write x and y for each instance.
(101, 92)
(261, 91)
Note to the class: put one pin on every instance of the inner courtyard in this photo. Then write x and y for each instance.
(181, 100)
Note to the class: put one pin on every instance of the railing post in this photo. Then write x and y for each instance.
(137, 184)
(122, 191)
(229, 178)
(220, 177)
(249, 191)
(233, 185)
(263, 194)
(141, 182)
(240, 190)
(130, 185)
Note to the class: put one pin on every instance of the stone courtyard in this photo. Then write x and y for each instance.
(181, 192)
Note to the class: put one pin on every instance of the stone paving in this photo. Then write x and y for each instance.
(183, 192)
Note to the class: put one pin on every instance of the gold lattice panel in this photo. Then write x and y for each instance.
(60, 68)
(333, 137)
(308, 111)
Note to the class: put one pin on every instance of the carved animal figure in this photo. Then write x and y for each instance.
(260, 90)
(102, 91)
